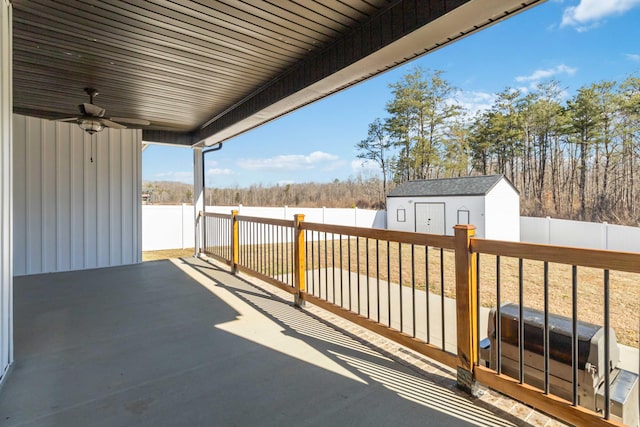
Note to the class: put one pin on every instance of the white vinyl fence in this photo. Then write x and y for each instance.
(172, 227)
(167, 227)
(580, 234)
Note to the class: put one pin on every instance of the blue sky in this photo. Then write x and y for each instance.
(575, 42)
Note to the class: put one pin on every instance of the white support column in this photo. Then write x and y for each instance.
(198, 196)
(6, 191)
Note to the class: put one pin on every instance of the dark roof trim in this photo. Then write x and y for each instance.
(400, 33)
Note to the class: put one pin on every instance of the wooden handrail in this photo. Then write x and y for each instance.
(423, 239)
(268, 221)
(596, 258)
(215, 215)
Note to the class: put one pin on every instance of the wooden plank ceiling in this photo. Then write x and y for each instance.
(208, 70)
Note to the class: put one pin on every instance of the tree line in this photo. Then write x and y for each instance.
(573, 157)
(361, 192)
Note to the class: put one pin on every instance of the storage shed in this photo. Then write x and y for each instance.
(434, 206)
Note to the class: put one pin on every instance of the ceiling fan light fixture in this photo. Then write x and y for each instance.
(90, 126)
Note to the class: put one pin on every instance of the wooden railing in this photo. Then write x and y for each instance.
(423, 291)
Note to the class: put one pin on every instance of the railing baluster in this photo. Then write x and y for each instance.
(333, 264)
(366, 241)
(389, 283)
(349, 268)
(274, 250)
(607, 356)
(442, 322)
(498, 319)
(358, 269)
(413, 290)
(479, 304)
(319, 267)
(261, 248)
(378, 280)
(326, 269)
(265, 248)
(290, 236)
(426, 291)
(270, 249)
(313, 276)
(520, 322)
(574, 334)
(546, 327)
(281, 243)
(400, 285)
(341, 276)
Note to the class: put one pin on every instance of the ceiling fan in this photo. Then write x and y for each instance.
(92, 120)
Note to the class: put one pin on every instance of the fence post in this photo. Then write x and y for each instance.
(466, 307)
(235, 241)
(300, 267)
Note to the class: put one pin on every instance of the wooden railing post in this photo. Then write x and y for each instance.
(300, 267)
(466, 307)
(235, 242)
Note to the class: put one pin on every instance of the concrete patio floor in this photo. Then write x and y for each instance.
(186, 343)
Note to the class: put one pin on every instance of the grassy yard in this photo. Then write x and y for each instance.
(166, 254)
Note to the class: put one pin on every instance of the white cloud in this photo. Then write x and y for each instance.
(180, 176)
(589, 13)
(219, 171)
(538, 75)
(475, 102)
(212, 168)
(317, 159)
(633, 57)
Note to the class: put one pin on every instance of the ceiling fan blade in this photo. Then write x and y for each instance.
(113, 125)
(67, 119)
(132, 121)
(91, 110)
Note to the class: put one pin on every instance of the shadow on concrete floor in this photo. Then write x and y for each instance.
(148, 344)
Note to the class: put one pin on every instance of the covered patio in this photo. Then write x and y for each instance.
(97, 338)
(183, 342)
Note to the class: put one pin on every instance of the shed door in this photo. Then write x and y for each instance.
(430, 218)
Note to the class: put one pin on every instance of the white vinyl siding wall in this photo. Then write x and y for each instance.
(71, 213)
(473, 204)
(6, 197)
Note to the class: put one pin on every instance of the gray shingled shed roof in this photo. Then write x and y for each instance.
(463, 186)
